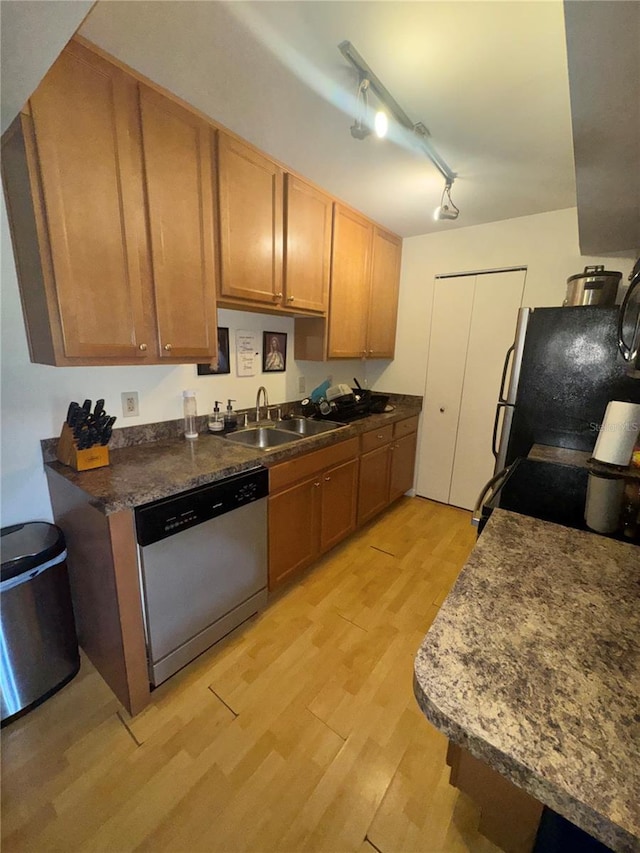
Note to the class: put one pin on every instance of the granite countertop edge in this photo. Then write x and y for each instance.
(525, 778)
(472, 730)
(116, 487)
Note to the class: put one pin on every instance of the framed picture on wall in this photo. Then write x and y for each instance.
(274, 352)
(223, 356)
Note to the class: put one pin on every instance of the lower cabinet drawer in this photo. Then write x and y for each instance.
(376, 438)
(405, 427)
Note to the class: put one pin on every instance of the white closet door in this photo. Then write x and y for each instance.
(450, 325)
(495, 309)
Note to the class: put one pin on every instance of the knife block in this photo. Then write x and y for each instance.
(82, 460)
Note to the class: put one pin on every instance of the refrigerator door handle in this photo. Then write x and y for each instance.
(494, 439)
(505, 368)
(492, 486)
(628, 353)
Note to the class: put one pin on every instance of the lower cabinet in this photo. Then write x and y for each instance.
(312, 507)
(374, 483)
(318, 499)
(293, 530)
(338, 496)
(386, 471)
(403, 460)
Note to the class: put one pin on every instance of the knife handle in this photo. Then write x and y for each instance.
(99, 409)
(87, 406)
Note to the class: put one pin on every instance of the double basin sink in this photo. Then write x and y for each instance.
(281, 432)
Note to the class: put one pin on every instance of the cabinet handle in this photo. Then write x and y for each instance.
(277, 296)
(370, 352)
(380, 436)
(167, 347)
(316, 485)
(327, 479)
(441, 408)
(290, 298)
(142, 347)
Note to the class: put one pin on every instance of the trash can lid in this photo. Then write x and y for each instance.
(24, 547)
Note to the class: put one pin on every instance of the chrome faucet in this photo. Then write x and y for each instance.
(265, 401)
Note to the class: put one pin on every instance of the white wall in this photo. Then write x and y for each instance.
(35, 397)
(547, 244)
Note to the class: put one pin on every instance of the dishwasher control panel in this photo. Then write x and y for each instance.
(169, 516)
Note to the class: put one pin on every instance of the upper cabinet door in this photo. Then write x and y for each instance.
(350, 270)
(87, 133)
(250, 211)
(307, 246)
(178, 157)
(383, 298)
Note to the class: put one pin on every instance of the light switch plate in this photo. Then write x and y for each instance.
(301, 384)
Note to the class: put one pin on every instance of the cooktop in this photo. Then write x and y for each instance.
(571, 496)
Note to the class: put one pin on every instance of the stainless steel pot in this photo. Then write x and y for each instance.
(594, 286)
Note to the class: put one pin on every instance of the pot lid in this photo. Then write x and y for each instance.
(595, 273)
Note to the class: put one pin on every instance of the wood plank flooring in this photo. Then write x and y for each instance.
(299, 732)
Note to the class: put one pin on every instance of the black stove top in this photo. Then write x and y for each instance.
(561, 494)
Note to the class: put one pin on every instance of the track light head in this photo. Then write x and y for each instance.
(359, 130)
(446, 209)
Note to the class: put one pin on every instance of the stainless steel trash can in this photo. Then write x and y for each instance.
(38, 643)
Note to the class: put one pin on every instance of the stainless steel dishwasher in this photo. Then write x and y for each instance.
(203, 566)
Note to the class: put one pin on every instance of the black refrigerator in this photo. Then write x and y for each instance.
(565, 367)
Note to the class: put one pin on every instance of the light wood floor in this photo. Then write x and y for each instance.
(299, 732)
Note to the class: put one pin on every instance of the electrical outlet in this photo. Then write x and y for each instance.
(301, 384)
(130, 404)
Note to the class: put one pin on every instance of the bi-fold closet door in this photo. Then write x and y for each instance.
(472, 326)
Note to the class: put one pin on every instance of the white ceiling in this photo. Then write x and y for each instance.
(489, 79)
(33, 34)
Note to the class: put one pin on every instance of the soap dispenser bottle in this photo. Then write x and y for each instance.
(216, 421)
(230, 417)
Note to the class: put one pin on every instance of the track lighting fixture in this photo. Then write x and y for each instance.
(361, 128)
(446, 209)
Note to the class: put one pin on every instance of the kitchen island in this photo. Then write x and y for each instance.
(533, 667)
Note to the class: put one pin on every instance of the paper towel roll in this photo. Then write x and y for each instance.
(618, 433)
(604, 503)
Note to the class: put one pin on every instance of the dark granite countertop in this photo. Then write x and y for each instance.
(533, 665)
(148, 471)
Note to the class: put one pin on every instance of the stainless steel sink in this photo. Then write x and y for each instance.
(303, 426)
(263, 437)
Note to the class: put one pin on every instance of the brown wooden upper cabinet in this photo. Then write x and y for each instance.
(365, 275)
(383, 295)
(124, 205)
(179, 178)
(99, 158)
(250, 215)
(71, 172)
(350, 275)
(307, 246)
